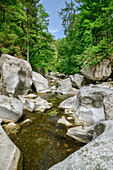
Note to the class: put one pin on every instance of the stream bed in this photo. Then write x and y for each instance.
(44, 142)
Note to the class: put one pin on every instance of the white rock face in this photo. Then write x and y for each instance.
(80, 133)
(40, 83)
(11, 109)
(63, 121)
(37, 104)
(68, 103)
(107, 84)
(64, 86)
(99, 72)
(87, 108)
(16, 75)
(78, 80)
(108, 106)
(9, 153)
(90, 105)
(30, 96)
(97, 154)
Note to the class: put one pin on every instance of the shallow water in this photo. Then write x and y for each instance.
(44, 143)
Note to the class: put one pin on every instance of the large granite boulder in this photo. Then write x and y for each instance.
(9, 153)
(108, 106)
(78, 81)
(69, 106)
(89, 106)
(97, 154)
(37, 104)
(16, 75)
(11, 109)
(101, 71)
(64, 87)
(40, 83)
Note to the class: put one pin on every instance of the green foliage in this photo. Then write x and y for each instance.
(24, 29)
(88, 25)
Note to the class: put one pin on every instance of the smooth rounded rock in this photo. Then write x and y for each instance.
(16, 75)
(9, 153)
(97, 154)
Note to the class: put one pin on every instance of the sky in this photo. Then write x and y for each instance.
(55, 23)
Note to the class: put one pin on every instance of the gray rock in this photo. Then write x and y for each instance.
(16, 75)
(101, 71)
(69, 106)
(53, 89)
(82, 134)
(107, 84)
(0, 84)
(87, 108)
(1, 120)
(40, 83)
(90, 105)
(97, 154)
(68, 103)
(37, 104)
(61, 75)
(78, 81)
(75, 91)
(9, 153)
(11, 109)
(108, 106)
(63, 121)
(64, 87)
(30, 96)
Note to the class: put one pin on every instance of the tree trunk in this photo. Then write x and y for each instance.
(27, 46)
(27, 38)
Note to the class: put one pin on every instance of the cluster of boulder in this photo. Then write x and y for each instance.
(16, 80)
(89, 119)
(85, 111)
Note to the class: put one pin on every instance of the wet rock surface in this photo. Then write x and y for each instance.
(97, 154)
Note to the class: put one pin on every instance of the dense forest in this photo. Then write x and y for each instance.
(88, 26)
(24, 32)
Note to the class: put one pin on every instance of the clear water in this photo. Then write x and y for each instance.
(44, 142)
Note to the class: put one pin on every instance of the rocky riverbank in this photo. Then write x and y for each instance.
(88, 114)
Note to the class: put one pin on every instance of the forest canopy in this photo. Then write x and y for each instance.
(88, 26)
(24, 32)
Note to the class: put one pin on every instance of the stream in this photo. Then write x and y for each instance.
(44, 142)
